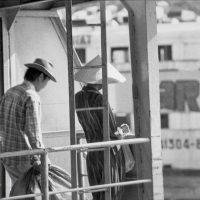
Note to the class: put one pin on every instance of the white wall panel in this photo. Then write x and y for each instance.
(184, 121)
(191, 51)
(36, 37)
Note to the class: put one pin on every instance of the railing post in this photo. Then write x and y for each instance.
(146, 100)
(106, 129)
(44, 177)
(2, 176)
(80, 168)
(2, 169)
(68, 8)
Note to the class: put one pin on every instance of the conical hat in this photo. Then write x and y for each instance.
(94, 75)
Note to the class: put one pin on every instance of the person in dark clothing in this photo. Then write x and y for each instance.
(92, 124)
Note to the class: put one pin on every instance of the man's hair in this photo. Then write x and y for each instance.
(32, 74)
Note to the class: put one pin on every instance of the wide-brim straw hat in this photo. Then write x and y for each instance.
(94, 75)
(42, 66)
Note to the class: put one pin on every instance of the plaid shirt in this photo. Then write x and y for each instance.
(20, 119)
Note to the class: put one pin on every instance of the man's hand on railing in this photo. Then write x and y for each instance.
(37, 165)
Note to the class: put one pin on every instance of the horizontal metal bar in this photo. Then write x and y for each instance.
(76, 147)
(22, 153)
(85, 25)
(22, 196)
(88, 109)
(89, 67)
(96, 187)
(92, 149)
(93, 191)
(79, 133)
(88, 189)
(99, 144)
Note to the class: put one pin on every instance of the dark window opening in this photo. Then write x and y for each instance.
(164, 121)
(164, 52)
(119, 55)
(79, 22)
(125, 20)
(174, 14)
(81, 54)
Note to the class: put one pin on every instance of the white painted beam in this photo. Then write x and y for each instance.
(6, 56)
(9, 16)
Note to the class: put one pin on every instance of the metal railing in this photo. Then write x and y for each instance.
(45, 193)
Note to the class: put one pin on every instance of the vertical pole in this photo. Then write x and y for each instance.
(2, 170)
(80, 169)
(44, 177)
(145, 73)
(68, 7)
(133, 55)
(106, 129)
(2, 178)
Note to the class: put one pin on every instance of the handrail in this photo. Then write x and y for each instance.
(81, 147)
(89, 109)
(95, 187)
(89, 67)
(87, 189)
(44, 152)
(22, 196)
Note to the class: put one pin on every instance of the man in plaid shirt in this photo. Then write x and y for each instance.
(20, 118)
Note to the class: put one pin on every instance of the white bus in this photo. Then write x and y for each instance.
(179, 63)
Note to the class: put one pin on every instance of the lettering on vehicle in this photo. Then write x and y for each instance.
(81, 39)
(175, 95)
(176, 143)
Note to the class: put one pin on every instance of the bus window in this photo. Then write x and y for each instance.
(164, 52)
(119, 55)
(125, 20)
(164, 120)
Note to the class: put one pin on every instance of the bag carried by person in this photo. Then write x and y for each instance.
(59, 180)
(30, 183)
(123, 132)
(128, 157)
